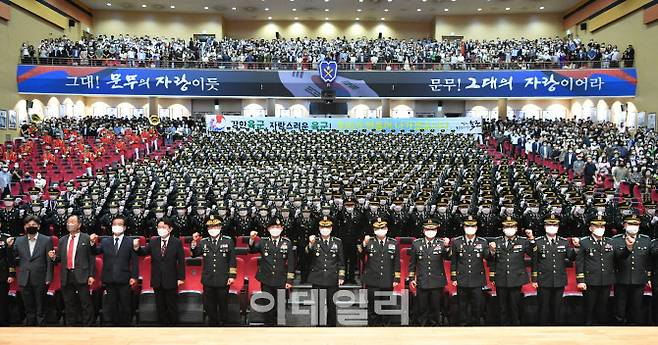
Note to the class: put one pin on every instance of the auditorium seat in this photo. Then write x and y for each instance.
(625, 188)
(190, 293)
(235, 301)
(254, 287)
(242, 241)
(146, 313)
(404, 242)
(54, 301)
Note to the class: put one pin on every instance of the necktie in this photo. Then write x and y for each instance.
(163, 250)
(326, 242)
(116, 244)
(469, 243)
(509, 244)
(214, 242)
(381, 243)
(69, 253)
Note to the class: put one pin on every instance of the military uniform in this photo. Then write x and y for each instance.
(631, 276)
(467, 269)
(382, 269)
(551, 256)
(507, 270)
(218, 266)
(276, 267)
(327, 267)
(11, 221)
(350, 231)
(426, 269)
(303, 228)
(595, 267)
(7, 269)
(654, 280)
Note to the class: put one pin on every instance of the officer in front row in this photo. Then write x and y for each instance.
(382, 268)
(327, 265)
(7, 275)
(632, 274)
(219, 269)
(467, 271)
(507, 269)
(276, 267)
(427, 275)
(550, 258)
(595, 269)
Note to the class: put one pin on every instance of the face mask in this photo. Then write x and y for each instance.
(470, 231)
(306, 214)
(221, 213)
(632, 229)
(420, 208)
(430, 233)
(325, 231)
(9, 203)
(214, 232)
(159, 215)
(242, 213)
(442, 210)
(61, 211)
(87, 212)
(137, 211)
(485, 210)
(32, 230)
(275, 232)
(180, 212)
(381, 233)
(117, 229)
(463, 210)
(162, 232)
(326, 212)
(551, 230)
(373, 208)
(598, 232)
(509, 232)
(36, 209)
(262, 213)
(113, 210)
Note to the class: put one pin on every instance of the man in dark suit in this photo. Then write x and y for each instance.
(276, 268)
(382, 268)
(327, 267)
(36, 269)
(120, 272)
(7, 274)
(167, 270)
(77, 271)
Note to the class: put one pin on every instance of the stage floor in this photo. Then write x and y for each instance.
(325, 336)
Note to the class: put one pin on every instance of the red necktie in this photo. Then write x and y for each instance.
(69, 254)
(163, 250)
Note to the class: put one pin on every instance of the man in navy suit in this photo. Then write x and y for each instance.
(120, 272)
(167, 270)
(36, 270)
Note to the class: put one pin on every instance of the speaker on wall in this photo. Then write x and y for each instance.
(71, 23)
(380, 35)
(278, 35)
(583, 26)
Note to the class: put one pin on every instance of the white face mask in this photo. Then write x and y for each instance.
(470, 231)
(325, 231)
(442, 209)
(509, 232)
(632, 229)
(381, 233)
(326, 212)
(598, 232)
(551, 230)
(242, 213)
(420, 208)
(214, 232)
(159, 215)
(221, 213)
(275, 232)
(162, 232)
(117, 229)
(87, 212)
(430, 234)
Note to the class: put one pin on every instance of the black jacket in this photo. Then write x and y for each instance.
(327, 262)
(118, 266)
(218, 261)
(595, 264)
(426, 263)
(85, 261)
(36, 269)
(549, 262)
(382, 267)
(507, 264)
(467, 262)
(167, 270)
(277, 263)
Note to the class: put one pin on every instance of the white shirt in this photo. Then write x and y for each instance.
(75, 248)
(163, 240)
(32, 242)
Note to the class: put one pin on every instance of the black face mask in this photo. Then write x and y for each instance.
(32, 230)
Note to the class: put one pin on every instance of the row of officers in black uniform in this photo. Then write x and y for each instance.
(624, 261)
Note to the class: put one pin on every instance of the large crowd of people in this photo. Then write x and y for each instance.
(306, 53)
(323, 202)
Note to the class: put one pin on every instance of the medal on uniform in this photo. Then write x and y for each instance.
(317, 253)
(266, 254)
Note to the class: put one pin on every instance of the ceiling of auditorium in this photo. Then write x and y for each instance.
(390, 10)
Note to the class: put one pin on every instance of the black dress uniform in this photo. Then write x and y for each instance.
(7, 270)
(382, 269)
(11, 221)
(276, 267)
(218, 266)
(303, 229)
(426, 268)
(549, 261)
(595, 267)
(350, 231)
(327, 268)
(654, 280)
(467, 269)
(632, 274)
(507, 270)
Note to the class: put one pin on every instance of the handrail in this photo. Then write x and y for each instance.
(342, 66)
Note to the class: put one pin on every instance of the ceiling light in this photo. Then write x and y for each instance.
(143, 6)
(479, 9)
(295, 17)
(507, 8)
(109, 4)
(357, 18)
(267, 9)
(294, 10)
(172, 6)
(233, 8)
(541, 8)
(205, 7)
(445, 10)
(325, 18)
(269, 18)
(326, 10)
(418, 10)
(358, 10)
(386, 10)
(382, 18)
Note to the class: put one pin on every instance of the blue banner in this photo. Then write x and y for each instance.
(308, 84)
(463, 125)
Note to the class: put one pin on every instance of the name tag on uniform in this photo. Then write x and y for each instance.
(561, 247)
(225, 245)
(334, 246)
(284, 246)
(478, 246)
(391, 246)
(518, 246)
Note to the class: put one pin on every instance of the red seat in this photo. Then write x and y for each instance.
(145, 272)
(404, 242)
(193, 272)
(625, 188)
(572, 286)
(654, 195)
(97, 277)
(242, 241)
(404, 270)
(56, 284)
(238, 283)
(254, 284)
